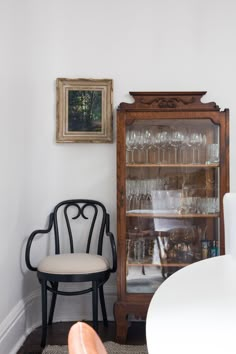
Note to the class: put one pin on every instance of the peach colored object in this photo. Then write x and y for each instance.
(83, 339)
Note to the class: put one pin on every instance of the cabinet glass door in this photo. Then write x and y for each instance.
(172, 198)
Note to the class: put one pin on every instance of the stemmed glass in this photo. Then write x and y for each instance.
(147, 137)
(138, 194)
(203, 148)
(142, 194)
(195, 141)
(150, 186)
(139, 147)
(163, 144)
(141, 140)
(201, 230)
(157, 142)
(154, 148)
(128, 146)
(132, 143)
(129, 194)
(183, 149)
(177, 138)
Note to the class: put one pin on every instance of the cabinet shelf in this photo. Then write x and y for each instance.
(171, 216)
(148, 165)
(158, 264)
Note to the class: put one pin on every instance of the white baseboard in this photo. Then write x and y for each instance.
(23, 318)
(26, 316)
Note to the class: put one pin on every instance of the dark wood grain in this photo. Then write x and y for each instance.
(58, 334)
(162, 107)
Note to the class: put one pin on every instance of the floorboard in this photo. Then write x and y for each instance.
(58, 332)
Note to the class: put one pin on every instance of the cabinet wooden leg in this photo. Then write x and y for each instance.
(121, 318)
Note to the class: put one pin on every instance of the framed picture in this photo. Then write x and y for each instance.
(84, 111)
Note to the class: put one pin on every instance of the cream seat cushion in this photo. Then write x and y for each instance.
(73, 263)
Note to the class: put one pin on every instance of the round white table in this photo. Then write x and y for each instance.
(194, 310)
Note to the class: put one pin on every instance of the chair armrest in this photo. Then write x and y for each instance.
(30, 240)
(113, 245)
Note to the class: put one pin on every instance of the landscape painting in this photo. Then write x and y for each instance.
(84, 110)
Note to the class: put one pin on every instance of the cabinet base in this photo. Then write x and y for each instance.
(121, 312)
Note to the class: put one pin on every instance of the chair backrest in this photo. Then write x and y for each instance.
(229, 202)
(82, 222)
(83, 339)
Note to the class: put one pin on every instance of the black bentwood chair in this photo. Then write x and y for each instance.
(88, 221)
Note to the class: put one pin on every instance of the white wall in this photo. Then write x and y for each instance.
(143, 46)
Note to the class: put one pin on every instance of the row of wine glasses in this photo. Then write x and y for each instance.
(145, 145)
(142, 250)
(178, 245)
(139, 192)
(152, 195)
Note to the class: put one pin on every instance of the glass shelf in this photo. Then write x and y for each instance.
(171, 216)
(181, 265)
(144, 165)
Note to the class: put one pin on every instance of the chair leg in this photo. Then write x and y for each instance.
(53, 303)
(95, 305)
(44, 312)
(103, 306)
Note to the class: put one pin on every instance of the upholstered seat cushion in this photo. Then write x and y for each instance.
(75, 263)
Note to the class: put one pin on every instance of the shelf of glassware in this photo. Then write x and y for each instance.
(180, 265)
(153, 214)
(135, 165)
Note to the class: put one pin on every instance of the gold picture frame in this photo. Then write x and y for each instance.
(84, 110)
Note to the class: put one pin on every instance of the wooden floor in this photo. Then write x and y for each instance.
(58, 332)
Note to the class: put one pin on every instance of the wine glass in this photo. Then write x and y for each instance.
(154, 148)
(176, 140)
(130, 193)
(203, 149)
(195, 141)
(139, 147)
(133, 143)
(147, 138)
(157, 142)
(163, 144)
(137, 194)
(130, 144)
(146, 201)
(201, 231)
(183, 149)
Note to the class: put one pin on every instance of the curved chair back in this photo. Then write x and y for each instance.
(229, 202)
(83, 339)
(81, 220)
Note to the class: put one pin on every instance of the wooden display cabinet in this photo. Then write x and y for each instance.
(172, 173)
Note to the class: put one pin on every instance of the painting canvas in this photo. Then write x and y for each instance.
(84, 110)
